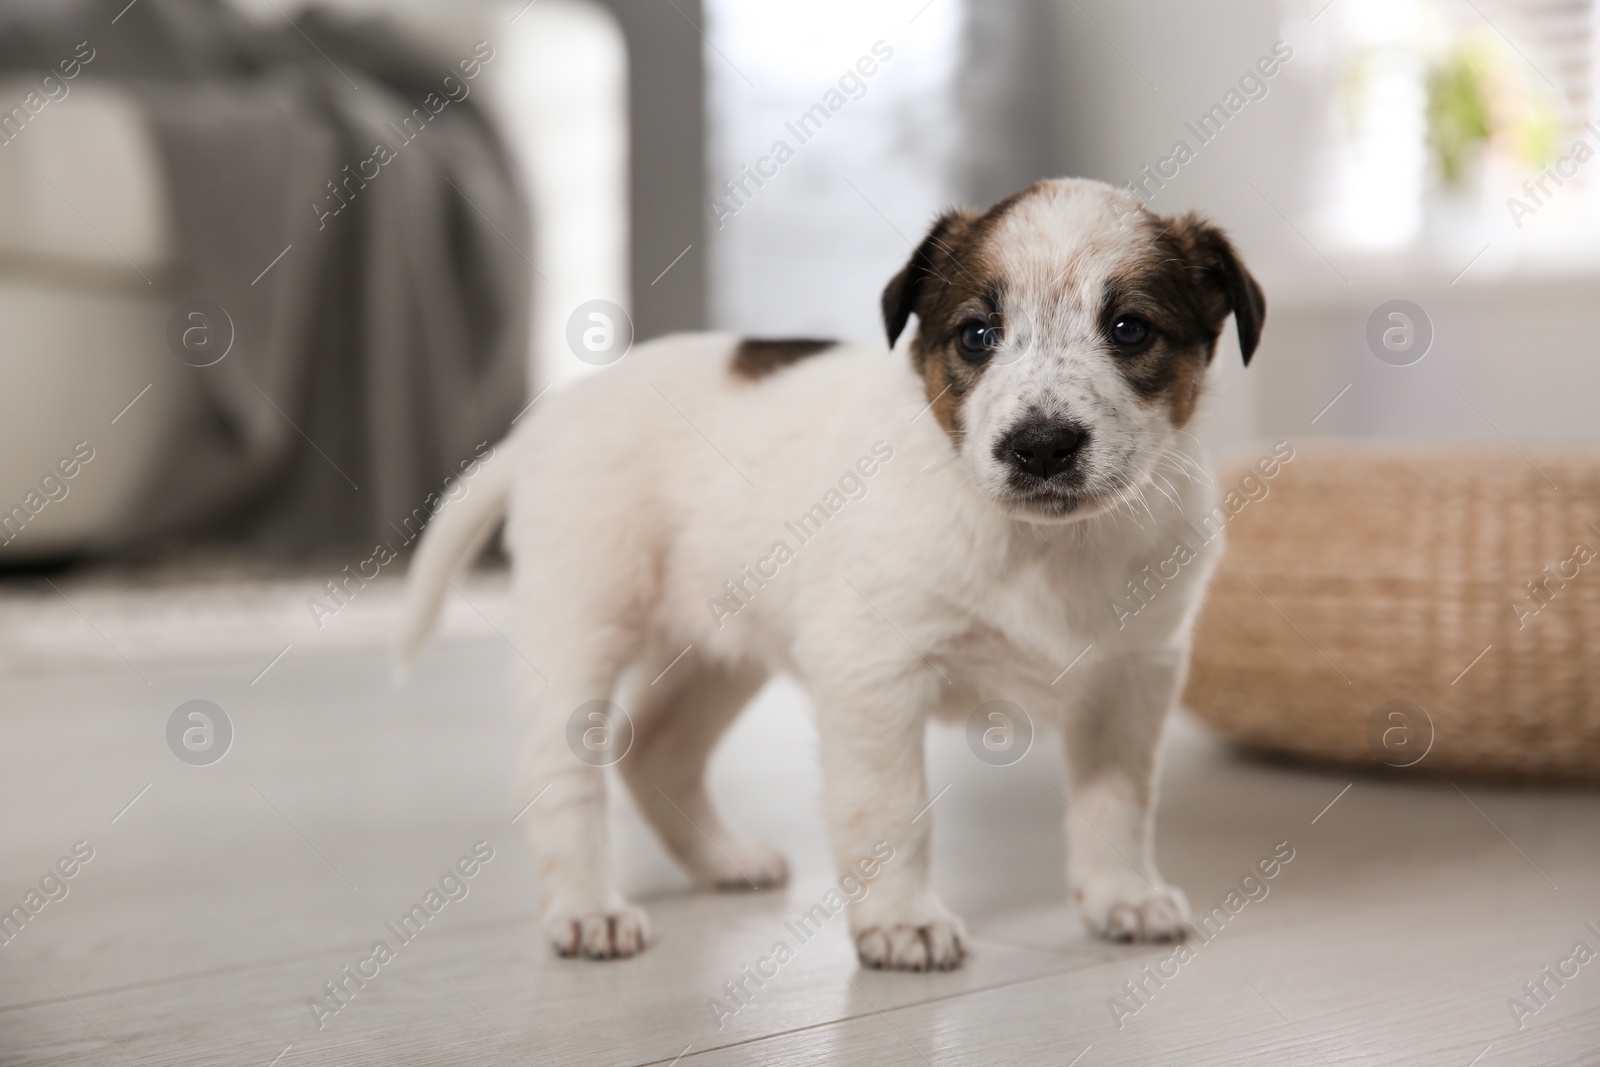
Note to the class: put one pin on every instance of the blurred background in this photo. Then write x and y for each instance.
(203, 186)
(275, 277)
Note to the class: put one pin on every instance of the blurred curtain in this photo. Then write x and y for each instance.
(342, 198)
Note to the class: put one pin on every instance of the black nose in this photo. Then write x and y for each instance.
(1044, 448)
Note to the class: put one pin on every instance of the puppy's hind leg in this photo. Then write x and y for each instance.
(584, 913)
(677, 726)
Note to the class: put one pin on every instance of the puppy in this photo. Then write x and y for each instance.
(910, 533)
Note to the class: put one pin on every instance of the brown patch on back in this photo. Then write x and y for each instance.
(758, 357)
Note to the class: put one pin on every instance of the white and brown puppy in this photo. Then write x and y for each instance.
(910, 533)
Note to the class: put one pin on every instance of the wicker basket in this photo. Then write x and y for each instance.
(1439, 612)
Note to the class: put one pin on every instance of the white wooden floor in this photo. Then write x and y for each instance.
(225, 896)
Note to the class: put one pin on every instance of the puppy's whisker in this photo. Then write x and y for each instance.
(1172, 463)
(1135, 493)
(1168, 463)
(1170, 496)
(1124, 497)
(1170, 451)
(1196, 466)
(1183, 472)
(947, 250)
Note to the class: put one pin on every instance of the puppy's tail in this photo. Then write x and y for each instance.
(452, 539)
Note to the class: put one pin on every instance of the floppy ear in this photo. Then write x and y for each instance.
(1209, 249)
(900, 296)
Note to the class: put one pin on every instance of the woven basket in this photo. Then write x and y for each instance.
(1375, 610)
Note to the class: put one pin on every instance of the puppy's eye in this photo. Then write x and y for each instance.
(979, 339)
(1130, 331)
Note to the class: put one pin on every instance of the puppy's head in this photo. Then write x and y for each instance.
(1063, 337)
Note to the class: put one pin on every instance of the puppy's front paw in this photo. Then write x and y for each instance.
(748, 867)
(935, 945)
(599, 934)
(1134, 911)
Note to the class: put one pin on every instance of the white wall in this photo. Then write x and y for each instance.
(1514, 334)
(809, 252)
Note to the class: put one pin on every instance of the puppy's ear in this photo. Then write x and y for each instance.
(1209, 249)
(904, 291)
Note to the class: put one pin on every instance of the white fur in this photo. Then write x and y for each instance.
(638, 493)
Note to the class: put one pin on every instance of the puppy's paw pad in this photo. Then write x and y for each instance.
(937, 945)
(609, 934)
(750, 867)
(1147, 914)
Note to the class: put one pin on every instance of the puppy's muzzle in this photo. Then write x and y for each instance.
(1043, 448)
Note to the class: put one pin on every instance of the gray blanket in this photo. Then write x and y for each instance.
(342, 198)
